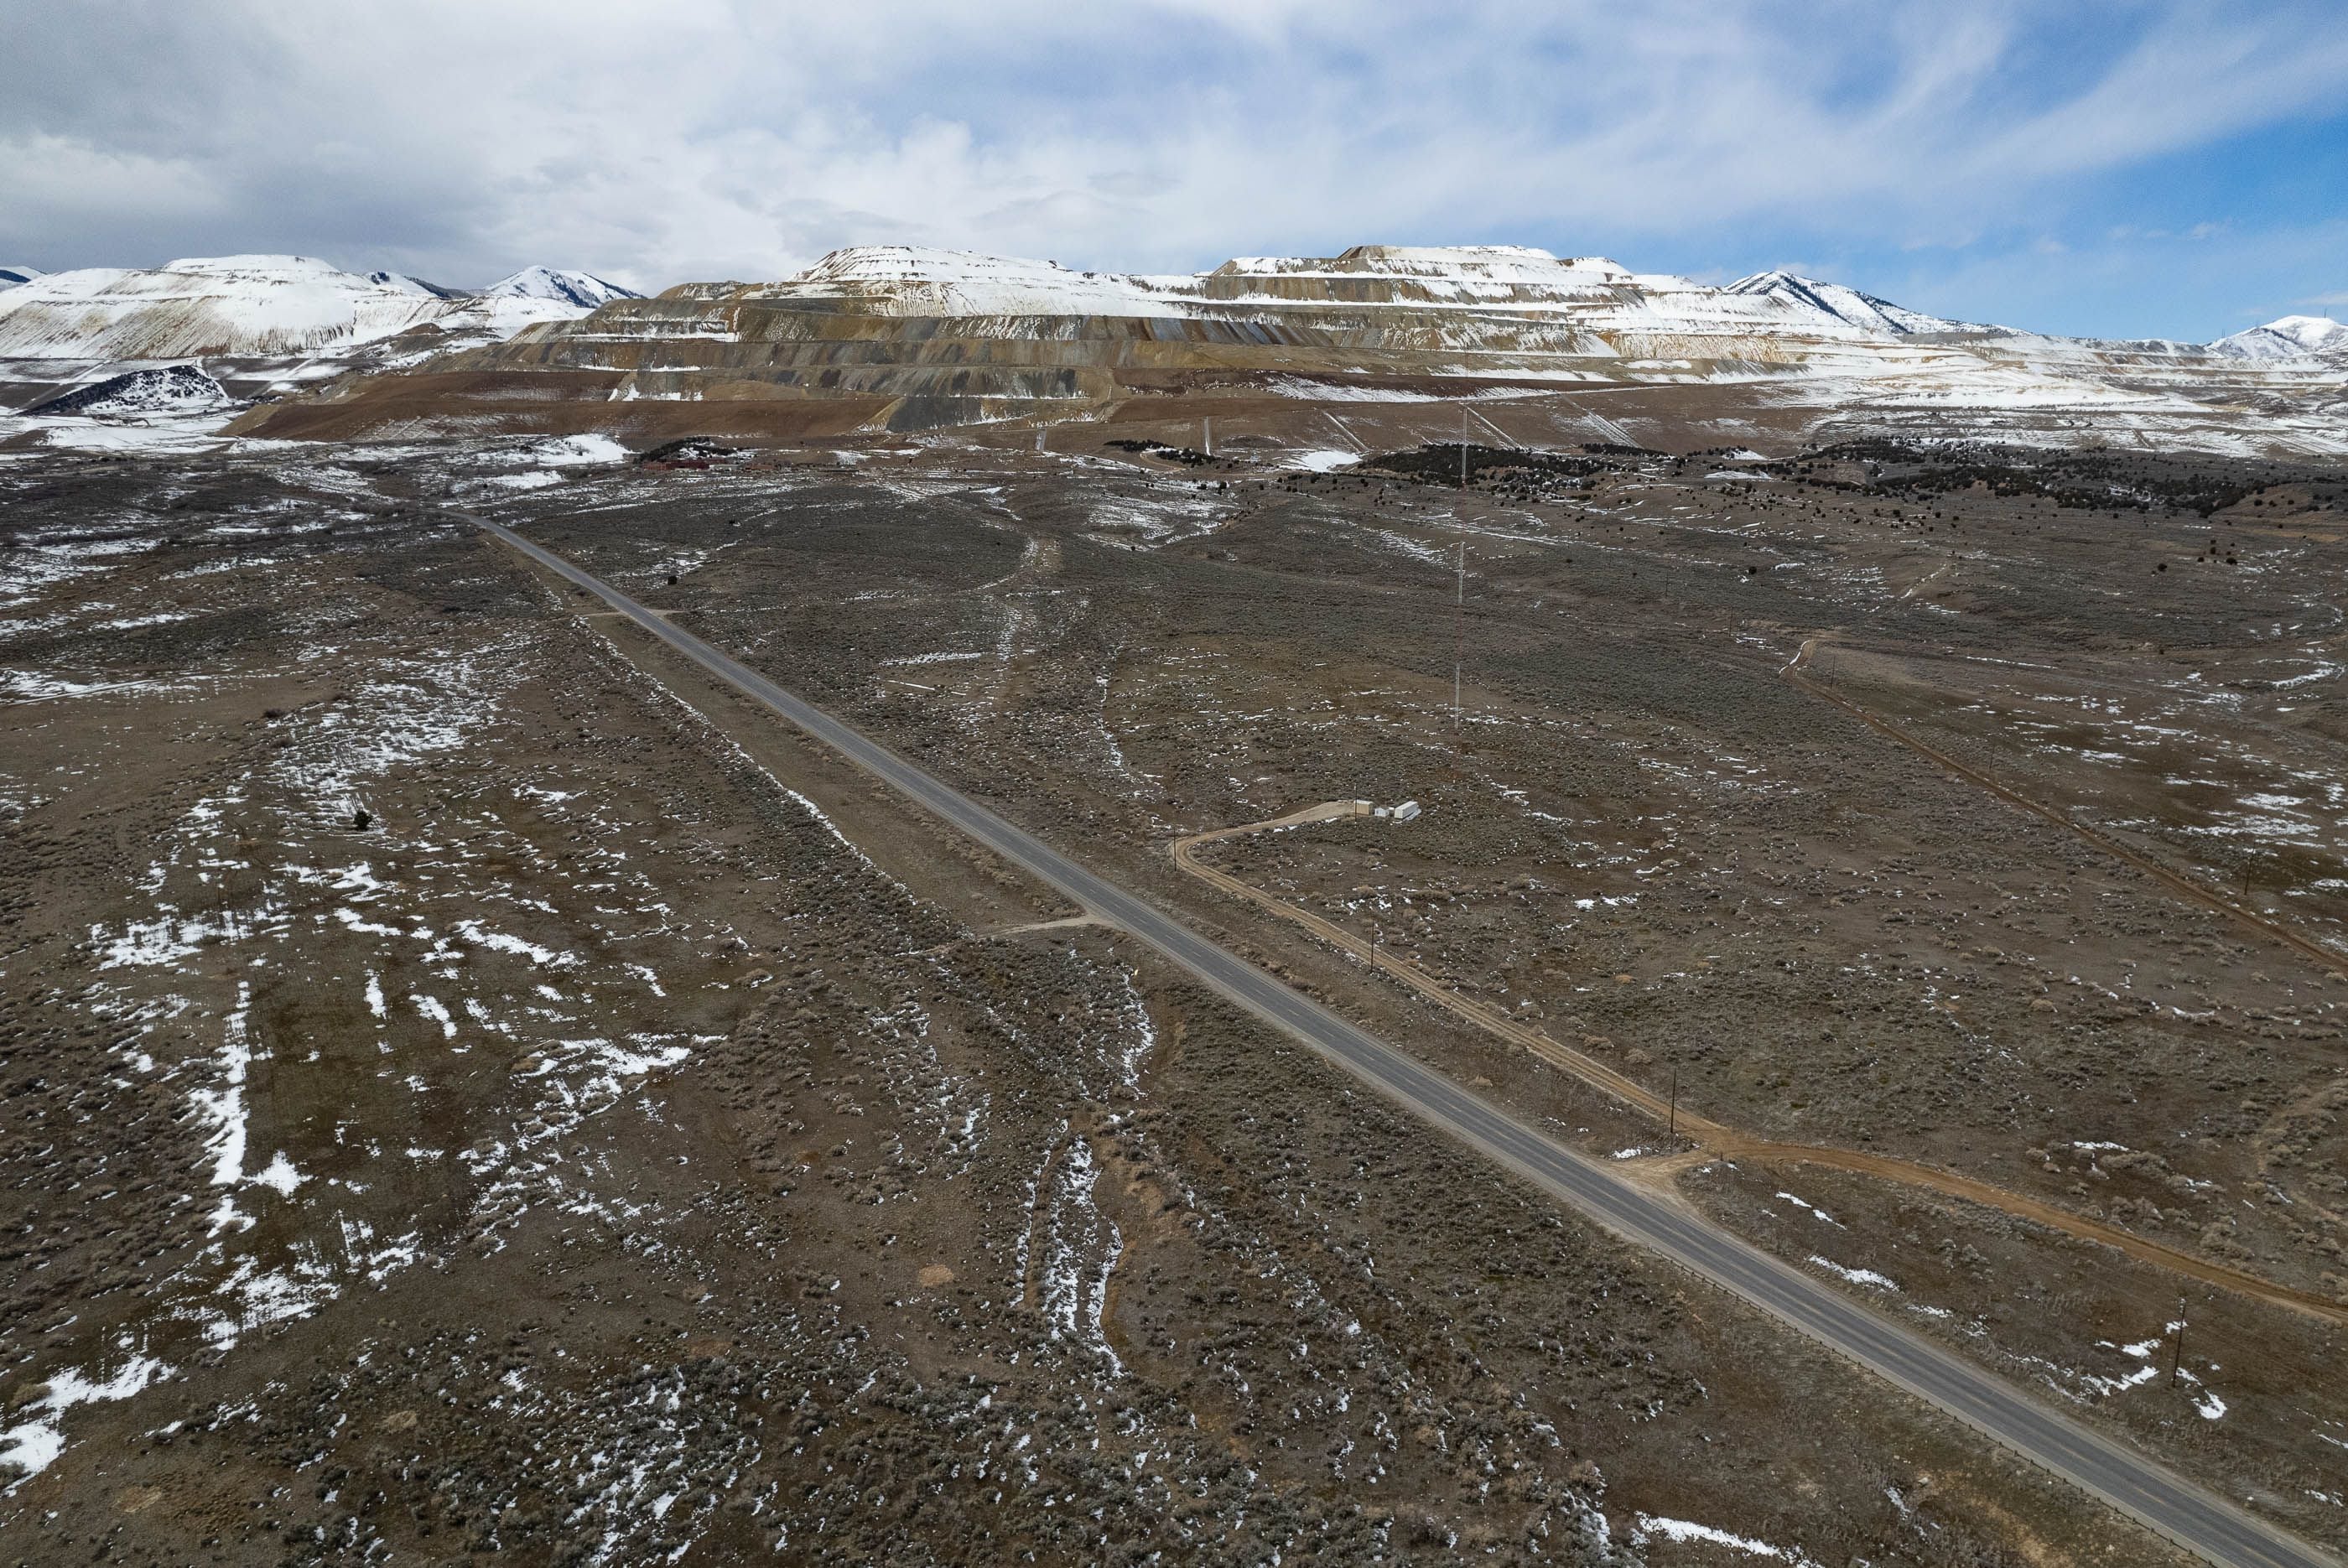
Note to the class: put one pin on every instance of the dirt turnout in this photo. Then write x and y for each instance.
(478, 1089)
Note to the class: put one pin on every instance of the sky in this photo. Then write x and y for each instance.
(2116, 168)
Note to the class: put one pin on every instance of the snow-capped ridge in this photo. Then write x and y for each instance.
(930, 264)
(291, 266)
(10, 276)
(200, 306)
(1520, 266)
(2289, 337)
(563, 286)
(1842, 303)
(935, 267)
(407, 284)
(1777, 312)
(1503, 263)
(923, 280)
(264, 305)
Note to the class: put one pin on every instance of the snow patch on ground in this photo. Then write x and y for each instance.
(1683, 1530)
(1325, 461)
(538, 480)
(1813, 1209)
(1868, 1277)
(1157, 520)
(33, 1445)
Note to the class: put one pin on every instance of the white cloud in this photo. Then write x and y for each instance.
(71, 179)
(709, 139)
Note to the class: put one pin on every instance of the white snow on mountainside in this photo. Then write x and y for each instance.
(583, 290)
(2292, 337)
(1033, 338)
(918, 280)
(10, 276)
(1495, 281)
(956, 337)
(1849, 304)
(202, 305)
(1493, 285)
(406, 285)
(177, 389)
(255, 306)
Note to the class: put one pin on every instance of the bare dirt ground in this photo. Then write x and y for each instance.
(636, 1136)
(1693, 1138)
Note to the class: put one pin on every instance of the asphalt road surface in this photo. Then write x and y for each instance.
(2186, 1514)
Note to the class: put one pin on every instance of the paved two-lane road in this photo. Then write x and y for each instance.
(2186, 1514)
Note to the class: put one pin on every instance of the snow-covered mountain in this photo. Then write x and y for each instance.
(911, 338)
(1848, 304)
(202, 305)
(251, 306)
(2291, 337)
(1504, 282)
(583, 290)
(10, 276)
(1509, 283)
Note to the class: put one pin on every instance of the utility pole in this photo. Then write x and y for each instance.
(2177, 1351)
(1458, 633)
(1460, 594)
(1673, 1137)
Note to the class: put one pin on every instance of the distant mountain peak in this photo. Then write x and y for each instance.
(10, 276)
(1442, 258)
(2287, 337)
(1846, 304)
(306, 266)
(266, 305)
(564, 286)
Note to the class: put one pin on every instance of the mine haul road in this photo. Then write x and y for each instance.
(2186, 1514)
